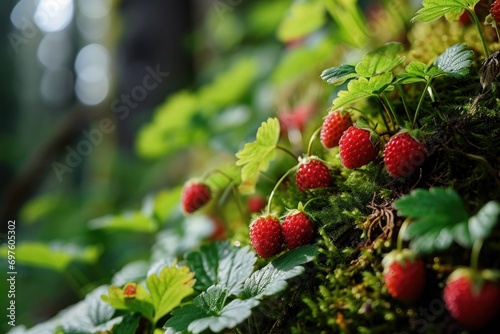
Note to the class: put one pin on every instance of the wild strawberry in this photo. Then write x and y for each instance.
(470, 298)
(495, 11)
(298, 230)
(312, 174)
(266, 236)
(404, 275)
(194, 196)
(333, 127)
(256, 204)
(403, 154)
(358, 147)
(129, 290)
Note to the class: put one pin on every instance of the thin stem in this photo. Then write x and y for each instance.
(431, 91)
(287, 151)
(311, 140)
(268, 210)
(496, 29)
(474, 257)
(388, 106)
(480, 30)
(383, 114)
(309, 201)
(234, 190)
(427, 84)
(237, 330)
(153, 327)
(401, 95)
(204, 177)
(236, 199)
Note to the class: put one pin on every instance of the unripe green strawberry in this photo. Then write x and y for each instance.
(471, 299)
(194, 196)
(404, 275)
(358, 147)
(403, 154)
(312, 174)
(333, 127)
(266, 236)
(298, 229)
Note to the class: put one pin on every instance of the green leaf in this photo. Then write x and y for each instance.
(338, 75)
(419, 72)
(42, 206)
(455, 61)
(438, 215)
(166, 201)
(97, 311)
(256, 156)
(221, 263)
(208, 312)
(302, 18)
(231, 315)
(483, 222)
(134, 221)
(140, 302)
(434, 9)
(272, 278)
(168, 130)
(303, 61)
(128, 325)
(381, 60)
(362, 88)
(182, 317)
(56, 256)
(90, 315)
(169, 288)
(218, 181)
(228, 87)
(164, 292)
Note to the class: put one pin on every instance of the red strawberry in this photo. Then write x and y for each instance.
(298, 230)
(358, 146)
(470, 298)
(403, 154)
(404, 275)
(194, 196)
(333, 127)
(295, 119)
(256, 204)
(312, 174)
(495, 10)
(265, 235)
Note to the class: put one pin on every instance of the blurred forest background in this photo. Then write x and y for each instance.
(105, 102)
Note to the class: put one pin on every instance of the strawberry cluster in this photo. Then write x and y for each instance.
(359, 145)
(267, 233)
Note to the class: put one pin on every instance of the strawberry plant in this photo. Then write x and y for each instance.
(349, 203)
